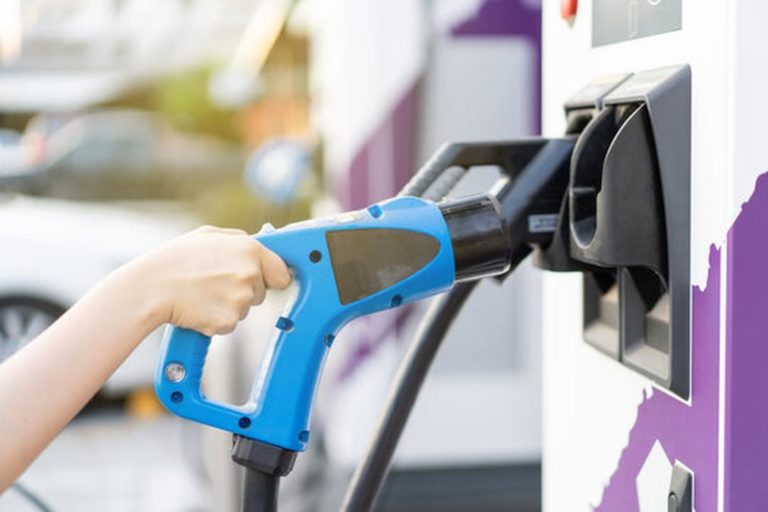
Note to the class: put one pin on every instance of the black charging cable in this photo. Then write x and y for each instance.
(32, 497)
(535, 169)
(260, 491)
(372, 472)
(536, 189)
(265, 464)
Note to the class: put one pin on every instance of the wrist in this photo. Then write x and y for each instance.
(141, 287)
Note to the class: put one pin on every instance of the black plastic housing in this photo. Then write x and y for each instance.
(479, 236)
(580, 110)
(532, 194)
(629, 209)
(617, 212)
(262, 457)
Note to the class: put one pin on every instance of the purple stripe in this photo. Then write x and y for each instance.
(503, 18)
(404, 125)
(510, 18)
(394, 137)
(746, 423)
(357, 180)
(689, 434)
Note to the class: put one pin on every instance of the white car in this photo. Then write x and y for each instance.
(52, 252)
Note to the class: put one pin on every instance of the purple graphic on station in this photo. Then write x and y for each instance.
(511, 18)
(687, 433)
(690, 433)
(746, 409)
(384, 162)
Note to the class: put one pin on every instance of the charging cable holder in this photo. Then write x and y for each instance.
(629, 214)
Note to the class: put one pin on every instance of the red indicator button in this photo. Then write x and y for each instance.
(568, 9)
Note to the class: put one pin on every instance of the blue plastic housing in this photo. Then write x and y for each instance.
(279, 408)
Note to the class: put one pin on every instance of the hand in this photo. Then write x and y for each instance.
(205, 280)
(208, 279)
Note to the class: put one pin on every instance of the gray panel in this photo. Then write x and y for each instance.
(592, 94)
(630, 210)
(667, 94)
(614, 21)
(680, 495)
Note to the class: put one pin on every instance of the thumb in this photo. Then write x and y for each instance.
(274, 270)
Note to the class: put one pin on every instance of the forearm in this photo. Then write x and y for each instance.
(205, 280)
(45, 384)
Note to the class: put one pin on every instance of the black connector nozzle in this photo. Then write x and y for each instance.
(526, 210)
(479, 236)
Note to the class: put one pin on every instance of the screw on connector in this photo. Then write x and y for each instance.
(175, 372)
(284, 324)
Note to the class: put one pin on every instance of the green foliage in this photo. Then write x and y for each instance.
(184, 100)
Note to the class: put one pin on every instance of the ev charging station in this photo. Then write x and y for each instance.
(643, 200)
(653, 395)
(597, 330)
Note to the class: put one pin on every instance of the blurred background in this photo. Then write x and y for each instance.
(126, 122)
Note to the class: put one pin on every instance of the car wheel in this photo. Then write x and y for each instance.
(21, 320)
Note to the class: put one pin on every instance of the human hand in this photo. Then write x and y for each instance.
(208, 279)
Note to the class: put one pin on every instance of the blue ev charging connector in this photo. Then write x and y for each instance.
(354, 264)
(357, 263)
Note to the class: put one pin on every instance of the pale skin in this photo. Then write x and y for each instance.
(206, 280)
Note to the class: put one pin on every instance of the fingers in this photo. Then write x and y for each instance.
(259, 292)
(222, 231)
(275, 272)
(244, 310)
(213, 276)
